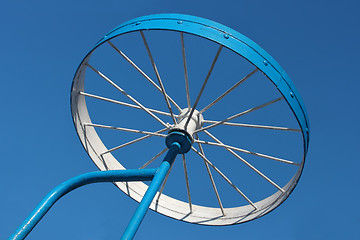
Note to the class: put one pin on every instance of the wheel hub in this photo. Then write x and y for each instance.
(196, 121)
(184, 130)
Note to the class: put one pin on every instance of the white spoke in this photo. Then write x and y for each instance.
(122, 103)
(158, 77)
(185, 71)
(254, 126)
(127, 95)
(248, 164)
(224, 177)
(126, 129)
(133, 141)
(203, 86)
(187, 182)
(211, 178)
(142, 73)
(248, 152)
(239, 114)
(153, 159)
(228, 91)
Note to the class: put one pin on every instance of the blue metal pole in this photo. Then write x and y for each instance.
(158, 179)
(93, 177)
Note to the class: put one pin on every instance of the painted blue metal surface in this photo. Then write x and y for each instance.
(155, 175)
(93, 177)
(151, 191)
(229, 38)
(192, 25)
(181, 138)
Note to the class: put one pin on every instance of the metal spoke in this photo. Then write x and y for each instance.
(228, 91)
(122, 103)
(248, 164)
(158, 77)
(142, 73)
(224, 177)
(187, 182)
(211, 178)
(248, 152)
(126, 129)
(203, 86)
(153, 159)
(255, 126)
(185, 71)
(127, 95)
(239, 114)
(133, 141)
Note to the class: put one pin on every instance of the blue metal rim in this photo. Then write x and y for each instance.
(239, 44)
(231, 39)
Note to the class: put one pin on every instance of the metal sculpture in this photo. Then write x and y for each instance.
(189, 132)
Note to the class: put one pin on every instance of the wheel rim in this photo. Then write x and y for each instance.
(224, 41)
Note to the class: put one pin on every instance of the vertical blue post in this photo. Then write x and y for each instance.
(158, 179)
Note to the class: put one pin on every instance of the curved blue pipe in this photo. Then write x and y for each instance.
(93, 177)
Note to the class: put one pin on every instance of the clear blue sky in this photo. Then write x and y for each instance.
(42, 43)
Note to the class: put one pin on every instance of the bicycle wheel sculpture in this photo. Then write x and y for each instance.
(160, 73)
